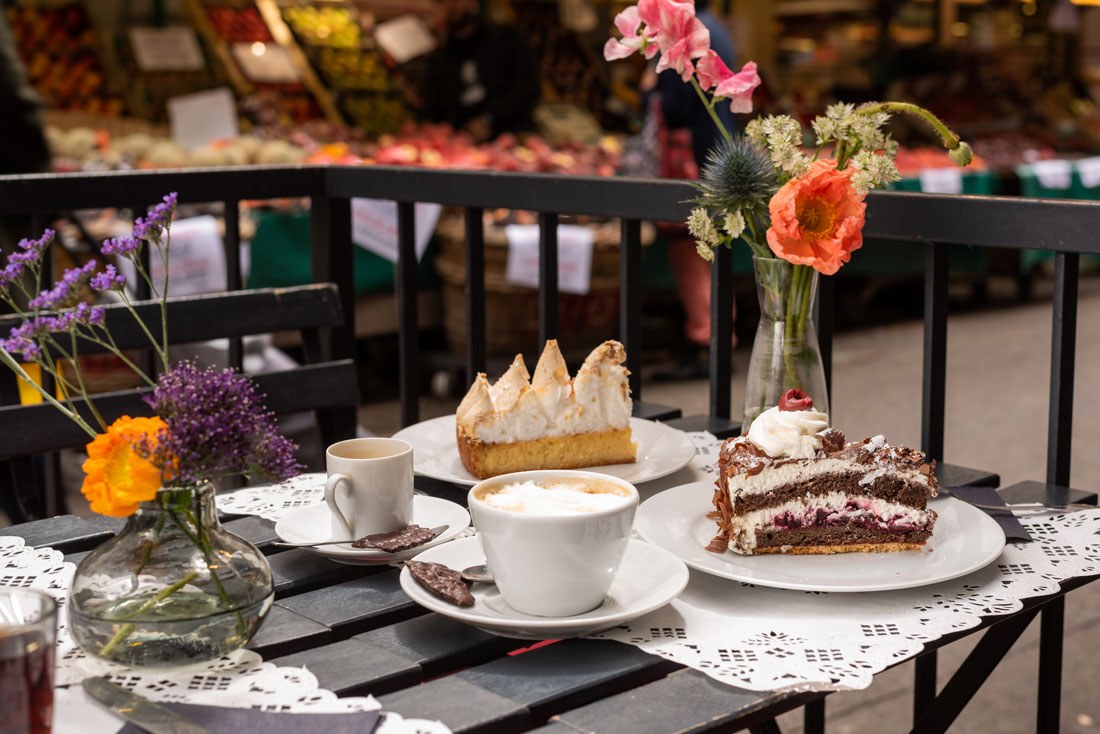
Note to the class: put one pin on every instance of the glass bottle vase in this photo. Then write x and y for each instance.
(172, 588)
(785, 353)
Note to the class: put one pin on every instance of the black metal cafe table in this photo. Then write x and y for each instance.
(358, 633)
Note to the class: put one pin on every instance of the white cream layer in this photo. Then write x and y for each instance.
(800, 471)
(744, 528)
(534, 499)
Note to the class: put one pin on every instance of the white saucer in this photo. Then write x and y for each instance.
(965, 539)
(311, 525)
(662, 450)
(649, 578)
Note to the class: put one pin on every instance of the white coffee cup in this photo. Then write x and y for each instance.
(370, 486)
(553, 565)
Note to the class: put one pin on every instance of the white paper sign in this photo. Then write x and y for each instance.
(200, 118)
(1089, 171)
(166, 49)
(374, 226)
(196, 259)
(404, 38)
(1053, 174)
(265, 63)
(941, 180)
(574, 256)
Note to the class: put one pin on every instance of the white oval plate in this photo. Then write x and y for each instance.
(649, 578)
(662, 450)
(311, 525)
(965, 539)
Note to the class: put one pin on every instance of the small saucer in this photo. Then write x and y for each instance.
(311, 525)
(649, 578)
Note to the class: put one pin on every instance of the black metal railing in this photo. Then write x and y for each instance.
(1062, 227)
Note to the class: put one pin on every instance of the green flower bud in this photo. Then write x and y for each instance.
(961, 154)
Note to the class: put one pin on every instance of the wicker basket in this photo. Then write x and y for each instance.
(511, 311)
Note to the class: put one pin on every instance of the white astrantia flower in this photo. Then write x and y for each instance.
(704, 251)
(872, 171)
(825, 128)
(702, 226)
(754, 131)
(734, 224)
(839, 111)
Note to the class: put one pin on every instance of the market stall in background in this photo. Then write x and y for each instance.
(353, 82)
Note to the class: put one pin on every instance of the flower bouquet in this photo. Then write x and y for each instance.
(173, 587)
(797, 202)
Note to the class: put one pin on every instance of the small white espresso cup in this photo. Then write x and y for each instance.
(553, 565)
(370, 486)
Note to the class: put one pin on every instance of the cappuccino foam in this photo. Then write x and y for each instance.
(555, 497)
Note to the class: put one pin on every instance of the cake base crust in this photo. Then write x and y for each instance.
(575, 451)
(826, 550)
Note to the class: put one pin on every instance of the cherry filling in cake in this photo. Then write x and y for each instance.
(794, 485)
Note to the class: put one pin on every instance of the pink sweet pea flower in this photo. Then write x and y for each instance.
(629, 24)
(681, 38)
(738, 88)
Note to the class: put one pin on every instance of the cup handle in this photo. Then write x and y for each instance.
(331, 486)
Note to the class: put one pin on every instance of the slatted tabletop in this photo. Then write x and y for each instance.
(355, 629)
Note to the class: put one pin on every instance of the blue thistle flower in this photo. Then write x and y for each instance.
(737, 175)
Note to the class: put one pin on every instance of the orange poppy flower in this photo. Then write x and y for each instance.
(817, 219)
(116, 477)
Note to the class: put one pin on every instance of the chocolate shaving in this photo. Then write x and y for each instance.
(446, 583)
(398, 540)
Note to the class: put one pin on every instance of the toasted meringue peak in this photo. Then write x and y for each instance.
(477, 403)
(551, 369)
(520, 408)
(510, 386)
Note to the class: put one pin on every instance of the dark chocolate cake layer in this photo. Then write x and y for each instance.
(886, 487)
(836, 535)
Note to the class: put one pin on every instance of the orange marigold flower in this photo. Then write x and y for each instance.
(116, 477)
(817, 219)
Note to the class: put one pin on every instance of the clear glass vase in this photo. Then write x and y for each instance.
(173, 588)
(785, 353)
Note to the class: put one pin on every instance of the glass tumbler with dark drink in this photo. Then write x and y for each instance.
(28, 630)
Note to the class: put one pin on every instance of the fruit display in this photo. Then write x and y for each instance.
(151, 90)
(58, 48)
(375, 113)
(345, 69)
(239, 25)
(330, 26)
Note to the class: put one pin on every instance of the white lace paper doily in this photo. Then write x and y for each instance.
(766, 639)
(241, 679)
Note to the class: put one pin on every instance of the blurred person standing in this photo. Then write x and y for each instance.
(686, 117)
(24, 148)
(483, 78)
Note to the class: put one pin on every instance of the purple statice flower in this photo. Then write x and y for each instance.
(109, 280)
(28, 252)
(216, 426)
(122, 246)
(23, 339)
(156, 220)
(65, 290)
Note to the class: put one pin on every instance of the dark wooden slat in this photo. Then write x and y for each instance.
(67, 533)
(934, 372)
(475, 293)
(721, 332)
(953, 475)
(437, 644)
(1048, 494)
(37, 428)
(214, 316)
(233, 279)
(298, 571)
(256, 530)
(630, 301)
(354, 668)
(813, 718)
(548, 277)
(720, 427)
(684, 702)
(408, 335)
(567, 674)
(464, 707)
(654, 411)
(358, 605)
(284, 632)
(51, 191)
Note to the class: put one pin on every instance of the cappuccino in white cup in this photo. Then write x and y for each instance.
(554, 539)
